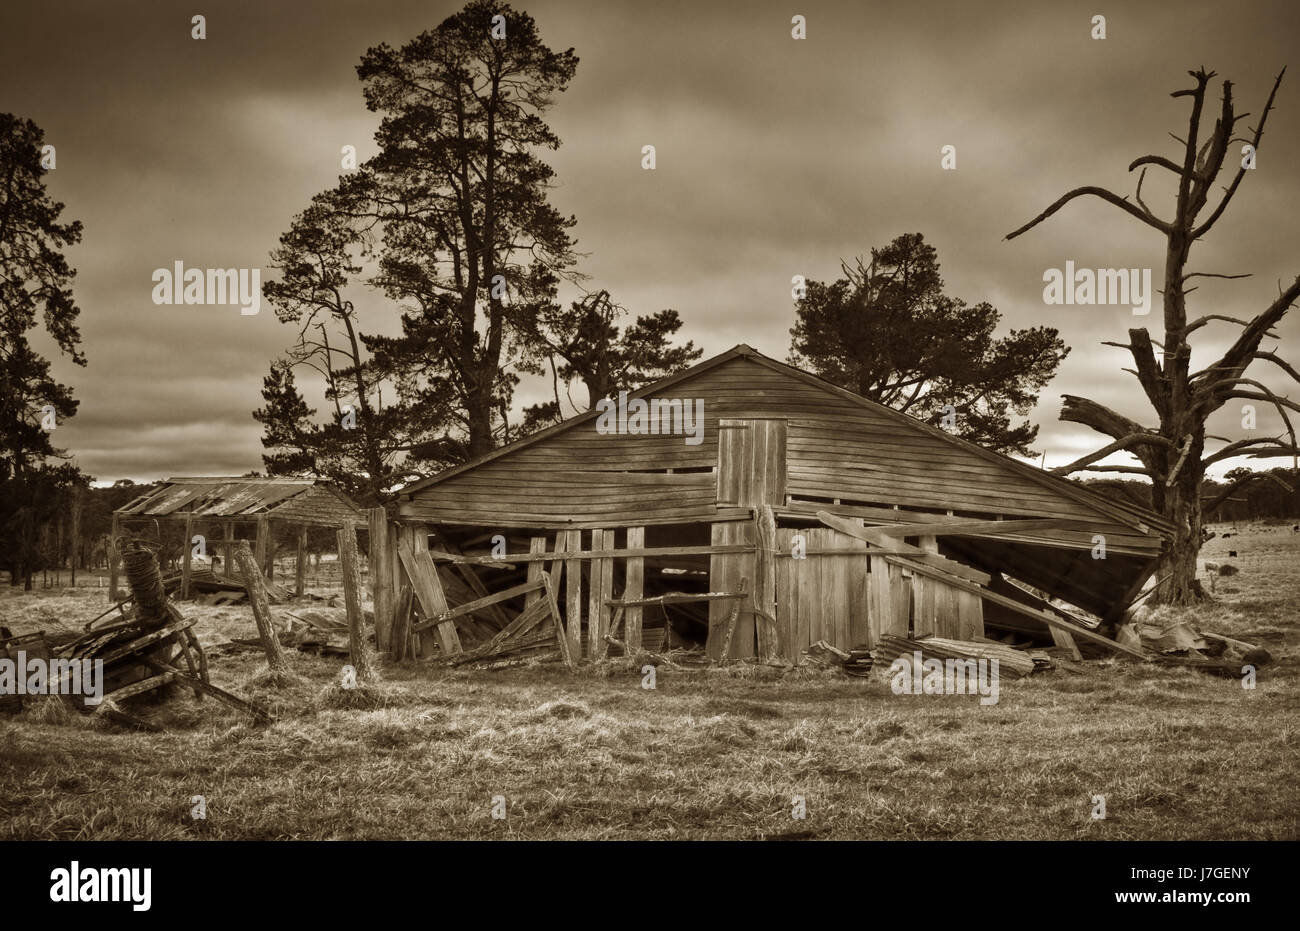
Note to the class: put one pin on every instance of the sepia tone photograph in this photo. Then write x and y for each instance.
(683, 421)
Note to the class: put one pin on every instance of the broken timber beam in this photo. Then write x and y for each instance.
(471, 607)
(983, 528)
(887, 546)
(675, 598)
(428, 591)
(507, 561)
(960, 583)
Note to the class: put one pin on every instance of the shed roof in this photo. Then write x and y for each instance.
(302, 500)
(1142, 519)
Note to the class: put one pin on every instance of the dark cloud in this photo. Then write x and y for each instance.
(775, 158)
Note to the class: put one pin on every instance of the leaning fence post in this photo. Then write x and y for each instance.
(256, 588)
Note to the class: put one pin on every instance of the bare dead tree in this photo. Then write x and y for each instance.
(1173, 454)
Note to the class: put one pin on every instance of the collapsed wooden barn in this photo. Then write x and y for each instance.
(795, 512)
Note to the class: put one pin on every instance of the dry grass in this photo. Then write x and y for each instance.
(423, 753)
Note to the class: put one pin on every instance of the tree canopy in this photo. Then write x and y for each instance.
(887, 331)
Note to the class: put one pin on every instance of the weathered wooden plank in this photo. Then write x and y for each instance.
(810, 583)
(537, 548)
(881, 605)
(556, 572)
(557, 622)
(925, 600)
(633, 587)
(516, 629)
(880, 516)
(574, 519)
(380, 577)
(255, 585)
(725, 573)
(611, 553)
(859, 592)
(1045, 617)
(470, 607)
(676, 598)
(980, 528)
(606, 587)
(597, 610)
(573, 594)
(970, 614)
(835, 607)
(261, 545)
(767, 629)
(424, 644)
(428, 591)
(401, 634)
(785, 607)
(895, 547)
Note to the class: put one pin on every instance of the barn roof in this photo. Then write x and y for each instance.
(300, 500)
(1126, 513)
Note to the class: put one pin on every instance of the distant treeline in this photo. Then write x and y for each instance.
(77, 520)
(1256, 500)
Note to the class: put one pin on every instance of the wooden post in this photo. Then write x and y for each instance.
(187, 555)
(881, 607)
(381, 574)
(602, 572)
(925, 595)
(256, 588)
(553, 606)
(535, 569)
(259, 546)
(428, 590)
(633, 588)
(112, 561)
(300, 562)
(573, 590)
(75, 543)
(427, 641)
(395, 587)
(228, 551)
(349, 564)
(401, 635)
(767, 633)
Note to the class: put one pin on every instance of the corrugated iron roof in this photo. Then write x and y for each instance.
(300, 499)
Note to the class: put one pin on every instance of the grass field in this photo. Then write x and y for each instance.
(706, 754)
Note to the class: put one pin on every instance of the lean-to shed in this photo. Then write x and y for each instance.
(224, 502)
(840, 518)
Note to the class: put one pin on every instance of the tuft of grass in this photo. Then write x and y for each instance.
(366, 695)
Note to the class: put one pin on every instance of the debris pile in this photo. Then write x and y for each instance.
(1012, 663)
(208, 588)
(1179, 644)
(151, 647)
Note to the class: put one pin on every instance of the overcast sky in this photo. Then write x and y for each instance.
(776, 157)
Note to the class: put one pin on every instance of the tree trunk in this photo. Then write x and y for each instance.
(480, 420)
(1181, 504)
